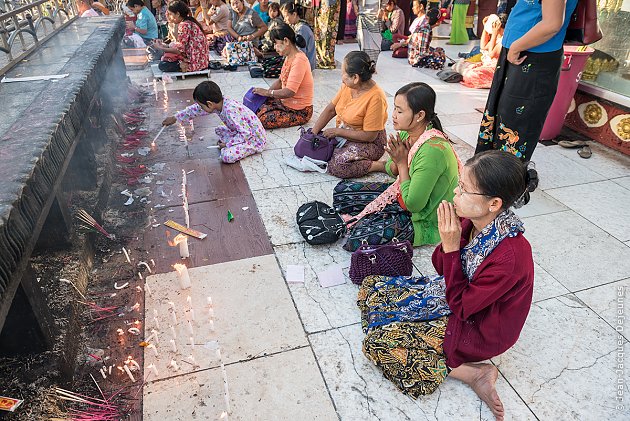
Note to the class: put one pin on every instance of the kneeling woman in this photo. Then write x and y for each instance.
(427, 170)
(290, 98)
(479, 305)
(190, 52)
(361, 110)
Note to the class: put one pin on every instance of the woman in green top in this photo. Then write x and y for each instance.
(427, 171)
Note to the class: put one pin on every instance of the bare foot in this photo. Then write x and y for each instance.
(483, 385)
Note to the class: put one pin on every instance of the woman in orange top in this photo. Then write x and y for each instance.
(290, 98)
(361, 110)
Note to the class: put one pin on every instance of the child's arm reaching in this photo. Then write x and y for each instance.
(184, 115)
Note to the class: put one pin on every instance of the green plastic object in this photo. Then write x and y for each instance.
(230, 216)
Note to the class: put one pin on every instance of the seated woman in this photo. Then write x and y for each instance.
(478, 69)
(399, 47)
(482, 297)
(393, 21)
(145, 25)
(262, 8)
(190, 52)
(361, 110)
(91, 9)
(291, 14)
(426, 167)
(420, 53)
(275, 19)
(240, 136)
(290, 98)
(244, 23)
(216, 15)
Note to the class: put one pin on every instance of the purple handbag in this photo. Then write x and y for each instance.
(393, 259)
(253, 101)
(316, 146)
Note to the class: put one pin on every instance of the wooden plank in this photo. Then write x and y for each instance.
(242, 238)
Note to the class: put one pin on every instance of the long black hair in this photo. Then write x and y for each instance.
(359, 63)
(283, 31)
(291, 8)
(182, 8)
(421, 97)
(501, 174)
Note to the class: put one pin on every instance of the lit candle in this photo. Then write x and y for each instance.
(192, 314)
(173, 346)
(174, 365)
(189, 300)
(183, 248)
(191, 358)
(211, 324)
(103, 373)
(224, 415)
(129, 373)
(154, 334)
(182, 275)
(192, 341)
(209, 301)
(157, 324)
(152, 347)
(190, 328)
(211, 312)
(154, 369)
(173, 332)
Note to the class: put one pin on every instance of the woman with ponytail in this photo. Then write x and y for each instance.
(190, 52)
(290, 98)
(426, 167)
(479, 299)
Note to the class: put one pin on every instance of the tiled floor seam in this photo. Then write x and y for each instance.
(310, 345)
(517, 394)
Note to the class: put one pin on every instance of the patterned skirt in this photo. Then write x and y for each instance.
(409, 353)
(273, 114)
(434, 59)
(326, 26)
(518, 103)
(355, 158)
(369, 35)
(350, 197)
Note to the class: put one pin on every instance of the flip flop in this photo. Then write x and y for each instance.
(572, 143)
(585, 152)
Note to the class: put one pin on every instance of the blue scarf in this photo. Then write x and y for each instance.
(506, 224)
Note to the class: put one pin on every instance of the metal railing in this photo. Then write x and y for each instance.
(25, 24)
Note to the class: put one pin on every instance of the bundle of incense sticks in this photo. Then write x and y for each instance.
(92, 409)
(90, 224)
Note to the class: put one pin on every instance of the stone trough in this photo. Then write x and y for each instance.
(47, 143)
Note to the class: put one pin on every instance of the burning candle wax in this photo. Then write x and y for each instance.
(173, 332)
(126, 368)
(190, 328)
(154, 349)
(182, 241)
(154, 369)
(174, 365)
(182, 275)
(173, 346)
(192, 341)
(210, 312)
(154, 334)
(209, 301)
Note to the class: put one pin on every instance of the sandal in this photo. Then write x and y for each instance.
(572, 143)
(585, 152)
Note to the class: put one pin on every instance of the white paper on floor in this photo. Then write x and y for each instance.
(331, 276)
(295, 274)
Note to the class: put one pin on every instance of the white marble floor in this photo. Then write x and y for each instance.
(569, 361)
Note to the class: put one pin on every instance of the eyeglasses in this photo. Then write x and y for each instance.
(462, 192)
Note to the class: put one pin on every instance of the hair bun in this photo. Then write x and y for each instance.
(531, 177)
(372, 67)
(300, 41)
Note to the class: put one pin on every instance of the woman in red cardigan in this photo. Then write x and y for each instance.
(420, 330)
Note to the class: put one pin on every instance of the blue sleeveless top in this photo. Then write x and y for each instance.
(525, 15)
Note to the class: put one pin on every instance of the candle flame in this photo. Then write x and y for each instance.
(178, 239)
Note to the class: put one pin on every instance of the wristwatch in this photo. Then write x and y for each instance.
(271, 93)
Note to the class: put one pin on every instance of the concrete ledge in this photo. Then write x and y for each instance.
(38, 131)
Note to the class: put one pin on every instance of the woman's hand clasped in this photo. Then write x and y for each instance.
(449, 226)
(398, 149)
